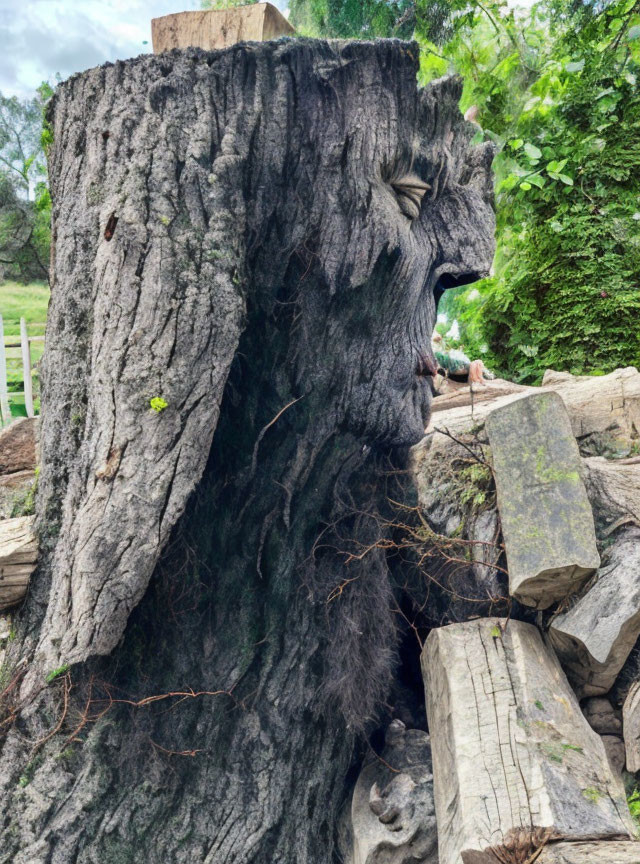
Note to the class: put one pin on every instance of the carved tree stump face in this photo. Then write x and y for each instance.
(248, 242)
(397, 208)
(304, 196)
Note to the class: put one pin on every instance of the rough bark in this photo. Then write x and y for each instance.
(514, 760)
(235, 233)
(631, 726)
(613, 487)
(18, 446)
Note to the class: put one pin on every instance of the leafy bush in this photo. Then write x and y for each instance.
(563, 106)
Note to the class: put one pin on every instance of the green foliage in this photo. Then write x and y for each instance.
(24, 501)
(633, 800)
(557, 92)
(592, 794)
(555, 87)
(224, 4)
(25, 203)
(29, 301)
(56, 673)
(362, 19)
(476, 486)
(158, 404)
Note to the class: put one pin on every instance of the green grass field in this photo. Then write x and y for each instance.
(29, 302)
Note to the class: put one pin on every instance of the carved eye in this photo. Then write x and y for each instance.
(410, 190)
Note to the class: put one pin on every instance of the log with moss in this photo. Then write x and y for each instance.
(248, 246)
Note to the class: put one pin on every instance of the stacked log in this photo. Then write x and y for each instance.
(515, 763)
(547, 522)
(18, 555)
(595, 637)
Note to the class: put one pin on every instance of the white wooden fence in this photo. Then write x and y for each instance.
(25, 345)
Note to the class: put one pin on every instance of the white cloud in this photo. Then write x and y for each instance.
(42, 38)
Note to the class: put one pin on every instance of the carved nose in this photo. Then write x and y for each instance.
(426, 366)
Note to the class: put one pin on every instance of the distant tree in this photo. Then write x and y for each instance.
(556, 89)
(363, 19)
(223, 4)
(25, 204)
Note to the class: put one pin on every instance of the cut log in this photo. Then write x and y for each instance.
(614, 748)
(595, 637)
(464, 395)
(602, 717)
(590, 853)
(219, 28)
(512, 752)
(18, 446)
(547, 522)
(631, 727)
(613, 487)
(18, 555)
(595, 403)
(600, 403)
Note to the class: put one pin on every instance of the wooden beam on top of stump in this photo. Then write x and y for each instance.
(515, 763)
(213, 29)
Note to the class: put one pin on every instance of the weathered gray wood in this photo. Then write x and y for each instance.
(595, 637)
(5, 412)
(18, 555)
(26, 368)
(599, 403)
(511, 749)
(18, 446)
(601, 716)
(631, 727)
(547, 522)
(602, 852)
(595, 403)
(464, 395)
(219, 28)
(614, 747)
(391, 816)
(613, 487)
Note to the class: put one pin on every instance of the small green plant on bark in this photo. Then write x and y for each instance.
(158, 404)
(56, 673)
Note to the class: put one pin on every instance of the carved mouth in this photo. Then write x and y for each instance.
(448, 280)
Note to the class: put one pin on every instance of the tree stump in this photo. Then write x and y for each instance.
(247, 247)
(514, 761)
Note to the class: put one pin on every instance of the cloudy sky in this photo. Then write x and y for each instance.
(40, 38)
